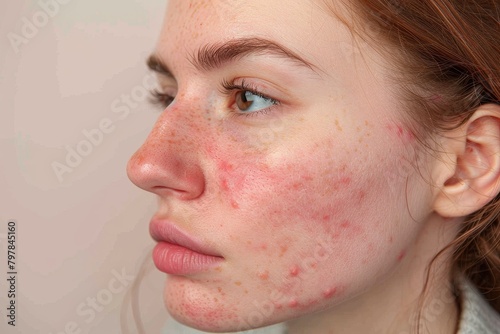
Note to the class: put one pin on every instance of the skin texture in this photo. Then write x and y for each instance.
(308, 202)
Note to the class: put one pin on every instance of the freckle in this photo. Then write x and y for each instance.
(283, 249)
(264, 275)
(401, 255)
(328, 293)
(294, 271)
(293, 303)
(219, 269)
(238, 283)
(339, 128)
(391, 239)
(246, 292)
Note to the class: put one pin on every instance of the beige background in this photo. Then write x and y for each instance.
(76, 232)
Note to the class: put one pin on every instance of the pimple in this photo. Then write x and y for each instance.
(345, 224)
(329, 293)
(401, 255)
(401, 132)
(295, 270)
(293, 303)
(224, 184)
(263, 275)
(226, 166)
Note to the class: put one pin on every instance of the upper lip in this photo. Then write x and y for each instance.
(165, 230)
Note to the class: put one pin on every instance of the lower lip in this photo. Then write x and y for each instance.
(177, 260)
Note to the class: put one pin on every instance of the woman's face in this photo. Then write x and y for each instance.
(285, 154)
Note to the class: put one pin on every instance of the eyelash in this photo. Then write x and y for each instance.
(161, 99)
(229, 89)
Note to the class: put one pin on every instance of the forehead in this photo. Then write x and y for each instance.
(304, 26)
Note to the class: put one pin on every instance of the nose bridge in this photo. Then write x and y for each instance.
(168, 161)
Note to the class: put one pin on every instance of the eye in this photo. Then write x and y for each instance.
(161, 99)
(248, 101)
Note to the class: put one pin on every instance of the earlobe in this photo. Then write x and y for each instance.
(473, 177)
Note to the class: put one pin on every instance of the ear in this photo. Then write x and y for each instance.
(469, 177)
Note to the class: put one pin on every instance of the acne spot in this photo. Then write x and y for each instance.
(401, 132)
(293, 303)
(224, 184)
(401, 255)
(234, 204)
(329, 293)
(294, 271)
(264, 275)
(225, 166)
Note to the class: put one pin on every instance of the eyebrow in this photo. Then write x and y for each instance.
(214, 56)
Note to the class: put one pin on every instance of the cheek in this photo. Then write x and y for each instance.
(312, 218)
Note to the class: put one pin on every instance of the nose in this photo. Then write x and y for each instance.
(167, 163)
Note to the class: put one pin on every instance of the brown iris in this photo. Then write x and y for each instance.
(244, 100)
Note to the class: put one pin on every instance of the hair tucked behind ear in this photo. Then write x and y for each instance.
(449, 53)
